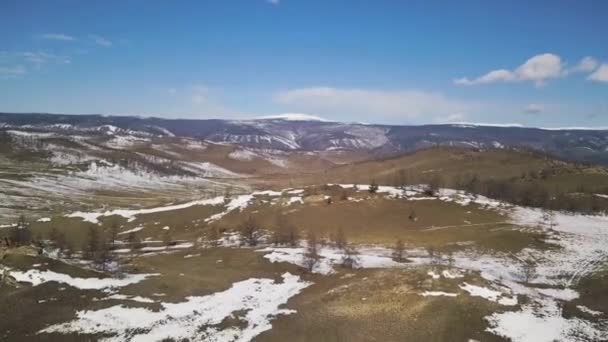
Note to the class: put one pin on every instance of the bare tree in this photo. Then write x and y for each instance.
(113, 233)
(285, 233)
(53, 234)
(433, 256)
(104, 256)
(250, 232)
(311, 256)
(450, 258)
(344, 195)
(167, 241)
(349, 259)
(134, 241)
(213, 236)
(61, 243)
(412, 216)
(528, 269)
(68, 250)
(433, 185)
(91, 246)
(20, 234)
(373, 187)
(339, 239)
(399, 251)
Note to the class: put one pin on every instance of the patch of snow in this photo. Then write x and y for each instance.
(131, 213)
(489, 294)
(133, 298)
(195, 318)
(438, 293)
(136, 229)
(292, 117)
(589, 311)
(210, 170)
(243, 155)
(376, 257)
(451, 274)
(433, 274)
(543, 322)
(294, 199)
(240, 202)
(37, 277)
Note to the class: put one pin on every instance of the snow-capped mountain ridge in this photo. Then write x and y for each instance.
(299, 132)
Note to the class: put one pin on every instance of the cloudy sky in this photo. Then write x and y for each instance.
(535, 63)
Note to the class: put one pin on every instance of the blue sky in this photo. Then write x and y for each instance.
(536, 63)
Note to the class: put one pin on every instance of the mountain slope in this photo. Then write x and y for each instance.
(304, 134)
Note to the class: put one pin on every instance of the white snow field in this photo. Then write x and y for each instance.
(37, 277)
(195, 319)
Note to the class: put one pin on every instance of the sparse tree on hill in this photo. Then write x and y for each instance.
(450, 258)
(401, 179)
(91, 246)
(339, 239)
(53, 234)
(104, 256)
(291, 235)
(412, 216)
(329, 200)
(228, 192)
(68, 250)
(399, 251)
(167, 241)
(250, 232)
(134, 241)
(60, 243)
(433, 186)
(349, 260)
(311, 256)
(433, 256)
(529, 269)
(21, 234)
(213, 236)
(373, 187)
(113, 234)
(344, 196)
(285, 233)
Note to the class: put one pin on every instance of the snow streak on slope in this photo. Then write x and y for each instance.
(37, 277)
(254, 302)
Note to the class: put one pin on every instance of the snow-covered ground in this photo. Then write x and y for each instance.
(37, 277)
(195, 319)
(582, 241)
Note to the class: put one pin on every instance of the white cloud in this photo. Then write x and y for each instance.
(200, 94)
(101, 41)
(600, 75)
(399, 103)
(57, 36)
(587, 64)
(537, 69)
(41, 57)
(274, 2)
(10, 72)
(534, 108)
(500, 75)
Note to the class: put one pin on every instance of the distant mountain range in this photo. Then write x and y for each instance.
(305, 133)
